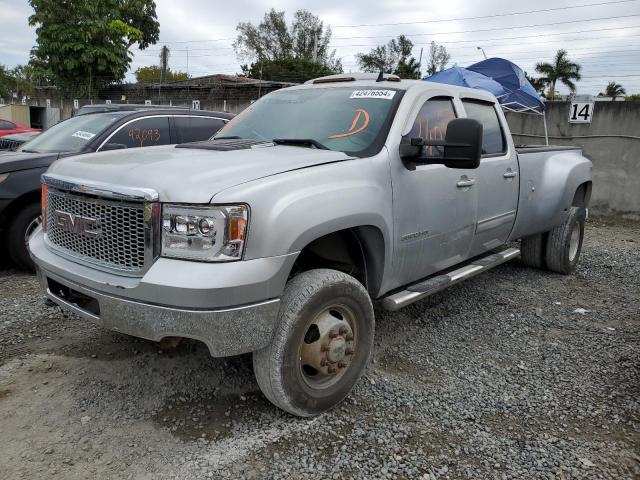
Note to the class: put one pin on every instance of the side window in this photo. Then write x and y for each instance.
(431, 123)
(6, 125)
(146, 132)
(196, 129)
(492, 136)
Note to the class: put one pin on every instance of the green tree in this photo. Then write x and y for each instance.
(614, 90)
(408, 69)
(283, 52)
(390, 58)
(296, 70)
(82, 44)
(152, 74)
(561, 69)
(633, 98)
(438, 60)
(20, 80)
(6, 83)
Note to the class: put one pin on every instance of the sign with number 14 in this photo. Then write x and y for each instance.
(581, 112)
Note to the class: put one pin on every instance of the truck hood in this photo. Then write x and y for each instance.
(190, 175)
(14, 161)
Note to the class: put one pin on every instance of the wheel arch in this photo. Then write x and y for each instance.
(18, 204)
(582, 196)
(358, 251)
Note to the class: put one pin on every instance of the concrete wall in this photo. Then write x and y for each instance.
(611, 141)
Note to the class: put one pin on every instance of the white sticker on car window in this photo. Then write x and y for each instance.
(385, 94)
(83, 135)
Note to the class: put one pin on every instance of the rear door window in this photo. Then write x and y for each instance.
(196, 129)
(144, 132)
(493, 142)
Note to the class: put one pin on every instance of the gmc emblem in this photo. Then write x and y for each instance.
(68, 222)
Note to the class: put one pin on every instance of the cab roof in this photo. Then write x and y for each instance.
(370, 80)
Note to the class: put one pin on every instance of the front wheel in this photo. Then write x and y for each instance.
(321, 345)
(20, 230)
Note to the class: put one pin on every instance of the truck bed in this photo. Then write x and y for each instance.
(545, 172)
(522, 149)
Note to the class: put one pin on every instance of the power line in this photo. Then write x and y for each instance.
(451, 41)
(495, 15)
(509, 38)
(443, 43)
(614, 53)
(613, 76)
(498, 28)
(576, 51)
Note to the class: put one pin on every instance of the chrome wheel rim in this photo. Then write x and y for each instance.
(33, 224)
(328, 347)
(574, 242)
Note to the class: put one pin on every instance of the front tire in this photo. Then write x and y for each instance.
(565, 242)
(20, 229)
(321, 345)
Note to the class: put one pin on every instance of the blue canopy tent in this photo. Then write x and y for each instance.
(502, 78)
(466, 78)
(521, 96)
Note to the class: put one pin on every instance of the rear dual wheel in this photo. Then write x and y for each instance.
(321, 345)
(559, 249)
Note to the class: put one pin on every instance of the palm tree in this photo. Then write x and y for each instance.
(562, 69)
(614, 90)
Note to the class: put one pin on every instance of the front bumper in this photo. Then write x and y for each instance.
(231, 307)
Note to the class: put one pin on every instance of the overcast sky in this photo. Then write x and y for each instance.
(604, 37)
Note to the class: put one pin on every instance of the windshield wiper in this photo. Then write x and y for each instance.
(300, 142)
(230, 137)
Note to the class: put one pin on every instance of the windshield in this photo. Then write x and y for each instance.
(71, 135)
(351, 120)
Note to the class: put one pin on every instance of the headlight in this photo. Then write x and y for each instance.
(207, 234)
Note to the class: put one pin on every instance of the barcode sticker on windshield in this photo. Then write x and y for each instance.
(83, 135)
(385, 94)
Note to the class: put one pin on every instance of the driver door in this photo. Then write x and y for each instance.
(434, 207)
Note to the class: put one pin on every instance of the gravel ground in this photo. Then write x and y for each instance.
(515, 374)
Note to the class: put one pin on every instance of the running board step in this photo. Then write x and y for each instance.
(432, 285)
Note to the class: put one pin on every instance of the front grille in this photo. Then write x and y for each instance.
(11, 145)
(120, 243)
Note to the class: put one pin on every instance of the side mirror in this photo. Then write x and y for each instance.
(462, 146)
(112, 146)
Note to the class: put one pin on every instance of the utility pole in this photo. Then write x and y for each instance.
(260, 80)
(164, 67)
(420, 62)
(187, 59)
(315, 47)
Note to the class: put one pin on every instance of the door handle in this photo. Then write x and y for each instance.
(509, 174)
(468, 182)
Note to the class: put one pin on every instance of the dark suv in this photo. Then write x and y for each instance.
(20, 171)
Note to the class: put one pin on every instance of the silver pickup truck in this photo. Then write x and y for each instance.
(277, 236)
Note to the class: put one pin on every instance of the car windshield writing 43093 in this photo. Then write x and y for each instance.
(349, 120)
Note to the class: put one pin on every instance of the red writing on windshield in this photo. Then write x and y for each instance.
(360, 122)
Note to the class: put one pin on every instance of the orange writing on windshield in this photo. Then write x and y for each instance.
(355, 127)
